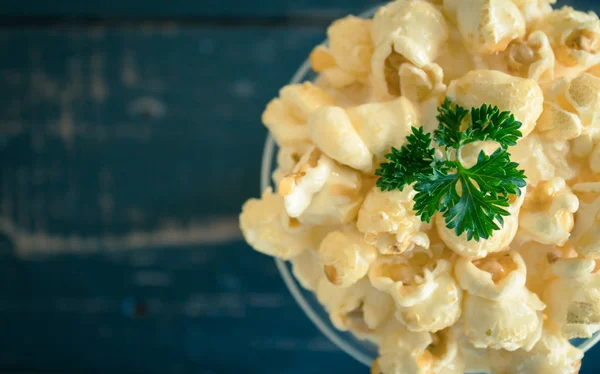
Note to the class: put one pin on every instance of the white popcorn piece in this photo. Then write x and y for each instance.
(287, 158)
(454, 59)
(584, 96)
(522, 97)
(538, 259)
(405, 352)
(388, 222)
(265, 227)
(420, 84)
(359, 308)
(306, 269)
(488, 26)
(574, 36)
(547, 215)
(534, 9)
(543, 159)
(413, 30)
(532, 58)
(286, 116)
(357, 135)
(320, 191)
(553, 354)
(384, 125)
(586, 232)
(499, 311)
(345, 257)
(498, 241)
(573, 297)
(348, 57)
(557, 124)
(427, 296)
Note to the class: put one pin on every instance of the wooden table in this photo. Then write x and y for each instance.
(130, 135)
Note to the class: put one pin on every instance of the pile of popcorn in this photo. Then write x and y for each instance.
(432, 301)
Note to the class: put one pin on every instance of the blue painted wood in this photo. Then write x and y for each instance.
(104, 132)
(203, 8)
(185, 8)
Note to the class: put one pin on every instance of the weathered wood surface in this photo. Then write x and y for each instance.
(126, 151)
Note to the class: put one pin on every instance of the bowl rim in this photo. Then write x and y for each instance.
(288, 278)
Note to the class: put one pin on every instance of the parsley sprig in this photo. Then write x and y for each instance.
(471, 200)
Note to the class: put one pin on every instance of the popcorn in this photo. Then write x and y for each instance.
(499, 240)
(345, 257)
(388, 222)
(522, 97)
(574, 36)
(532, 10)
(414, 29)
(264, 225)
(427, 297)
(533, 58)
(287, 158)
(432, 301)
(405, 352)
(319, 191)
(488, 26)
(306, 269)
(557, 124)
(356, 135)
(543, 159)
(347, 60)
(553, 354)
(359, 308)
(586, 235)
(547, 213)
(573, 297)
(499, 311)
(286, 116)
(420, 84)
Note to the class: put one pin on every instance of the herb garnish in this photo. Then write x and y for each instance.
(472, 200)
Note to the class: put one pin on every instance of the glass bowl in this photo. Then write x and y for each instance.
(361, 350)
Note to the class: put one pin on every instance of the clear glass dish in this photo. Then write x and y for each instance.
(361, 350)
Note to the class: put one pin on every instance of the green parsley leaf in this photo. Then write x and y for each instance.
(406, 165)
(471, 200)
(448, 134)
(488, 123)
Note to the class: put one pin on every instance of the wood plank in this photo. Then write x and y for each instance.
(187, 311)
(108, 132)
(205, 8)
(185, 8)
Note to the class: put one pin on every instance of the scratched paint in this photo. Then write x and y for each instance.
(219, 230)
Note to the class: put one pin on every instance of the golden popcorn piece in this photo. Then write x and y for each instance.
(574, 36)
(522, 97)
(553, 354)
(345, 257)
(320, 191)
(427, 296)
(488, 26)
(547, 215)
(348, 58)
(404, 31)
(405, 352)
(262, 224)
(286, 116)
(359, 136)
(388, 222)
(499, 311)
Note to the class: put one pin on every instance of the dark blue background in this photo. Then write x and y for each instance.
(130, 136)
